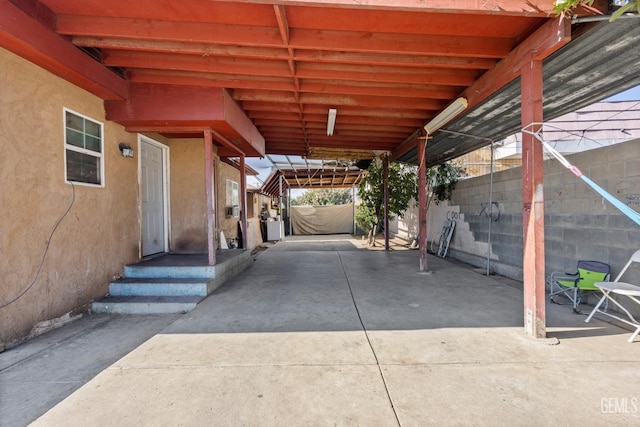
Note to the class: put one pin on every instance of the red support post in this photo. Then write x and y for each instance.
(422, 204)
(216, 200)
(385, 171)
(208, 172)
(533, 201)
(243, 202)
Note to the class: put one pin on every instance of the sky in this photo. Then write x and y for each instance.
(632, 94)
(262, 166)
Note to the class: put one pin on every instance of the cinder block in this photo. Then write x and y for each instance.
(560, 190)
(600, 236)
(614, 238)
(506, 239)
(618, 257)
(607, 171)
(574, 206)
(591, 221)
(578, 236)
(553, 232)
(632, 167)
(559, 249)
(559, 220)
(507, 254)
(592, 252)
(633, 238)
(620, 222)
(578, 224)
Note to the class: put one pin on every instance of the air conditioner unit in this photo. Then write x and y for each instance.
(232, 211)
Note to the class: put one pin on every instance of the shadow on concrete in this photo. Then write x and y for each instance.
(311, 326)
(309, 285)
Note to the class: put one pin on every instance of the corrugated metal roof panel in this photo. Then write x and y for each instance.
(601, 62)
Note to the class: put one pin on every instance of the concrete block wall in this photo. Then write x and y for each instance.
(579, 223)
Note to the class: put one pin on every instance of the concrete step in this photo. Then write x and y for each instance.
(179, 272)
(159, 287)
(145, 304)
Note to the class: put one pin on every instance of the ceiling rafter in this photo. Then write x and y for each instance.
(325, 40)
(149, 29)
(191, 78)
(182, 62)
(335, 57)
(418, 44)
(185, 47)
(397, 60)
(283, 26)
(389, 66)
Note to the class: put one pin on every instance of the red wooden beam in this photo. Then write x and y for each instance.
(389, 89)
(422, 205)
(385, 178)
(184, 47)
(28, 38)
(243, 202)
(357, 111)
(208, 64)
(382, 74)
(208, 174)
(175, 107)
(397, 60)
(394, 43)
(146, 29)
(533, 201)
(189, 78)
(341, 100)
(547, 39)
(540, 8)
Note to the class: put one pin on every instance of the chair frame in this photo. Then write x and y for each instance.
(620, 288)
(576, 298)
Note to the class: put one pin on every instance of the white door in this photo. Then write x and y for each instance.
(153, 201)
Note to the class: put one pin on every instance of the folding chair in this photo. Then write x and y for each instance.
(620, 288)
(573, 286)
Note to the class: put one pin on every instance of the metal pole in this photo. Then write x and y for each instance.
(490, 210)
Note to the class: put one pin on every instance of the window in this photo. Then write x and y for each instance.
(233, 200)
(83, 149)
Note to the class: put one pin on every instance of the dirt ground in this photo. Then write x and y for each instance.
(395, 243)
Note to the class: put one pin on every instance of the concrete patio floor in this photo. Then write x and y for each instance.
(321, 332)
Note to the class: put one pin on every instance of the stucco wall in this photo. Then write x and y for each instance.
(98, 235)
(579, 223)
(188, 199)
(188, 196)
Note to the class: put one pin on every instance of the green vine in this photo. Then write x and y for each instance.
(565, 7)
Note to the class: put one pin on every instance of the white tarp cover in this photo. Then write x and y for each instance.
(336, 219)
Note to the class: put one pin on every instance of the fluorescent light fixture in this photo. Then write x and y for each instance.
(331, 121)
(446, 115)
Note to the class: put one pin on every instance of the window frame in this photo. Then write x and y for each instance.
(233, 195)
(81, 150)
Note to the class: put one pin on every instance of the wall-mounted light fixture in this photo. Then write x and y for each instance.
(125, 149)
(446, 115)
(331, 121)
